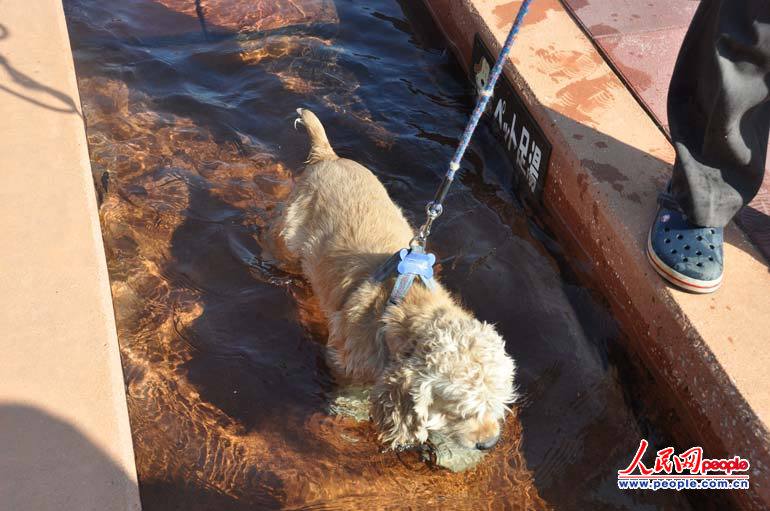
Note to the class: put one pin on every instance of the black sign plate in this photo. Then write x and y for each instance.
(522, 139)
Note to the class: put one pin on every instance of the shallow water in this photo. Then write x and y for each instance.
(192, 148)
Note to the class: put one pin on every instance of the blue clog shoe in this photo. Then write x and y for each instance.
(686, 255)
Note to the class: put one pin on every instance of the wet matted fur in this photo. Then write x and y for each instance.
(433, 366)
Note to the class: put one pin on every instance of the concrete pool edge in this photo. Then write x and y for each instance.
(609, 159)
(64, 425)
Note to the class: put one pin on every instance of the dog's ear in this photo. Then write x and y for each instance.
(397, 416)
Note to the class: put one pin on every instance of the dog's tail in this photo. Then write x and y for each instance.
(320, 149)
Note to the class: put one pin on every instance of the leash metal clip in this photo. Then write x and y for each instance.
(433, 210)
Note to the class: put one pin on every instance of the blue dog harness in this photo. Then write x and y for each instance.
(407, 264)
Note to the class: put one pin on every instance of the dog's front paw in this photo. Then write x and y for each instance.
(351, 402)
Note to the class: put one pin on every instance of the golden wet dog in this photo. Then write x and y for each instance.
(433, 366)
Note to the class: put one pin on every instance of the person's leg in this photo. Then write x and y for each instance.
(719, 116)
(718, 109)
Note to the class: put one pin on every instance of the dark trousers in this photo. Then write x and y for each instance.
(718, 109)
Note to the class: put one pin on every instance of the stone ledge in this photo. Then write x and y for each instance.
(64, 432)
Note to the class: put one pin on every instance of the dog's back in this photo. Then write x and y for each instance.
(340, 221)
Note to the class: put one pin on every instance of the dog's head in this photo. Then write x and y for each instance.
(456, 379)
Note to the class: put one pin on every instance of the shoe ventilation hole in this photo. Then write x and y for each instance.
(687, 247)
(668, 240)
(711, 258)
(699, 238)
(711, 247)
(699, 264)
(713, 231)
(684, 259)
(673, 251)
(679, 236)
(698, 252)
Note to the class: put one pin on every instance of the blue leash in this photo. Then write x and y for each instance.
(415, 262)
